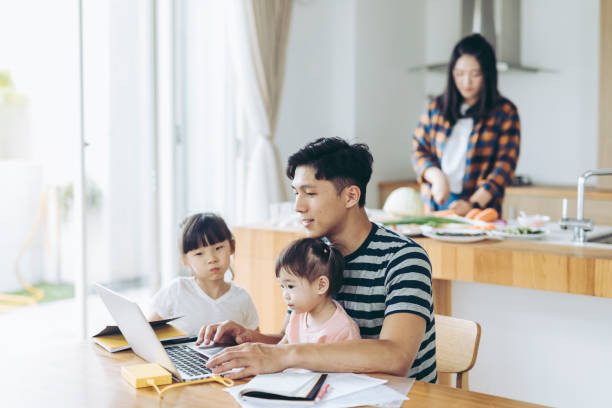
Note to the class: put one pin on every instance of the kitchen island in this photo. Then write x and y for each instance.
(559, 267)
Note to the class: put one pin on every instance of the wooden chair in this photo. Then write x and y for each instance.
(456, 347)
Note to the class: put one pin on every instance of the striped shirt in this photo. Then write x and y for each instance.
(390, 274)
(492, 151)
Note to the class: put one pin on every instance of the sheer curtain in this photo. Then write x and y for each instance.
(209, 112)
(258, 34)
(232, 72)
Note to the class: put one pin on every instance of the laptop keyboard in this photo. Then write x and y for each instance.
(188, 361)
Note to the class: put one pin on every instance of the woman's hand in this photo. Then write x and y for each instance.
(440, 190)
(461, 207)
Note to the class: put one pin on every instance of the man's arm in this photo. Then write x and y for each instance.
(393, 353)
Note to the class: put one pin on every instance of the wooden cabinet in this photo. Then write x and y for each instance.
(605, 91)
(256, 253)
(548, 200)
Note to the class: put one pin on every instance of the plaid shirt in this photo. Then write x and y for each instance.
(492, 152)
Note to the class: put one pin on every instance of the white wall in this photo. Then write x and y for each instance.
(318, 96)
(388, 98)
(558, 110)
(542, 347)
(347, 76)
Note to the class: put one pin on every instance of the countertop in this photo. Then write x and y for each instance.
(553, 263)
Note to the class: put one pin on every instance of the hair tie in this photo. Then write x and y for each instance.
(325, 250)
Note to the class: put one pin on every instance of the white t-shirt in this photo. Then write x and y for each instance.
(183, 297)
(455, 151)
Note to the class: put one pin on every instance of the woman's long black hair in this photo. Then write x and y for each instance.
(450, 101)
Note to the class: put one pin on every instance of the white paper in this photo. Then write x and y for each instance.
(341, 384)
(380, 396)
(346, 390)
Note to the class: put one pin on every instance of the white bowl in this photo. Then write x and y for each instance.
(532, 221)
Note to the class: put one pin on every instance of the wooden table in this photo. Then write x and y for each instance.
(81, 374)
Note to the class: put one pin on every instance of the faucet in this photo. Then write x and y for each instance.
(580, 224)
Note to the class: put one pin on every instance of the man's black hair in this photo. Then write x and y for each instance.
(336, 160)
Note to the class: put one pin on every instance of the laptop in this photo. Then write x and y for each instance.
(184, 361)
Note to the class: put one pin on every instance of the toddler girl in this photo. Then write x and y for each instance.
(310, 273)
(206, 245)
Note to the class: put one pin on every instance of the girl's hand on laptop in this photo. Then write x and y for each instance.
(228, 332)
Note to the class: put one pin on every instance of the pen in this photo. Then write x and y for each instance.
(321, 393)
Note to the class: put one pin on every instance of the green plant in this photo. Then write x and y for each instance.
(8, 93)
(93, 196)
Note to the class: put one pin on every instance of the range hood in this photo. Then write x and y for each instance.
(499, 21)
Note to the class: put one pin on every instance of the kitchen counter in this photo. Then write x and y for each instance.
(552, 264)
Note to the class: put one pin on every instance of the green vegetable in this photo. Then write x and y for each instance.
(431, 221)
(522, 231)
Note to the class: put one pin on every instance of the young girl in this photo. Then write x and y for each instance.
(310, 273)
(206, 245)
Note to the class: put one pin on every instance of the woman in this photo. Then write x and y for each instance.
(467, 144)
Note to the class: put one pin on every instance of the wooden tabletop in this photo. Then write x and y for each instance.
(536, 247)
(78, 374)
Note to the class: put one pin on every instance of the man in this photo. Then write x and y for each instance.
(386, 287)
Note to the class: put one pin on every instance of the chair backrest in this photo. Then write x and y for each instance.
(457, 343)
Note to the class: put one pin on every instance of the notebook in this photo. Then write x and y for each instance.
(286, 386)
(111, 339)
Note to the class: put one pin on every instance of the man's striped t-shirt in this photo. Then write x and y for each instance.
(390, 274)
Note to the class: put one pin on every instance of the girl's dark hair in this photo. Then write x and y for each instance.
(203, 229)
(310, 258)
(450, 101)
(336, 160)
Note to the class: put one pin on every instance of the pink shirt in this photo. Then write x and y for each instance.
(339, 327)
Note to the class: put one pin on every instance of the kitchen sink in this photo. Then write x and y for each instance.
(600, 236)
(601, 239)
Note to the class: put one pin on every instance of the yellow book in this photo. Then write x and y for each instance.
(111, 339)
